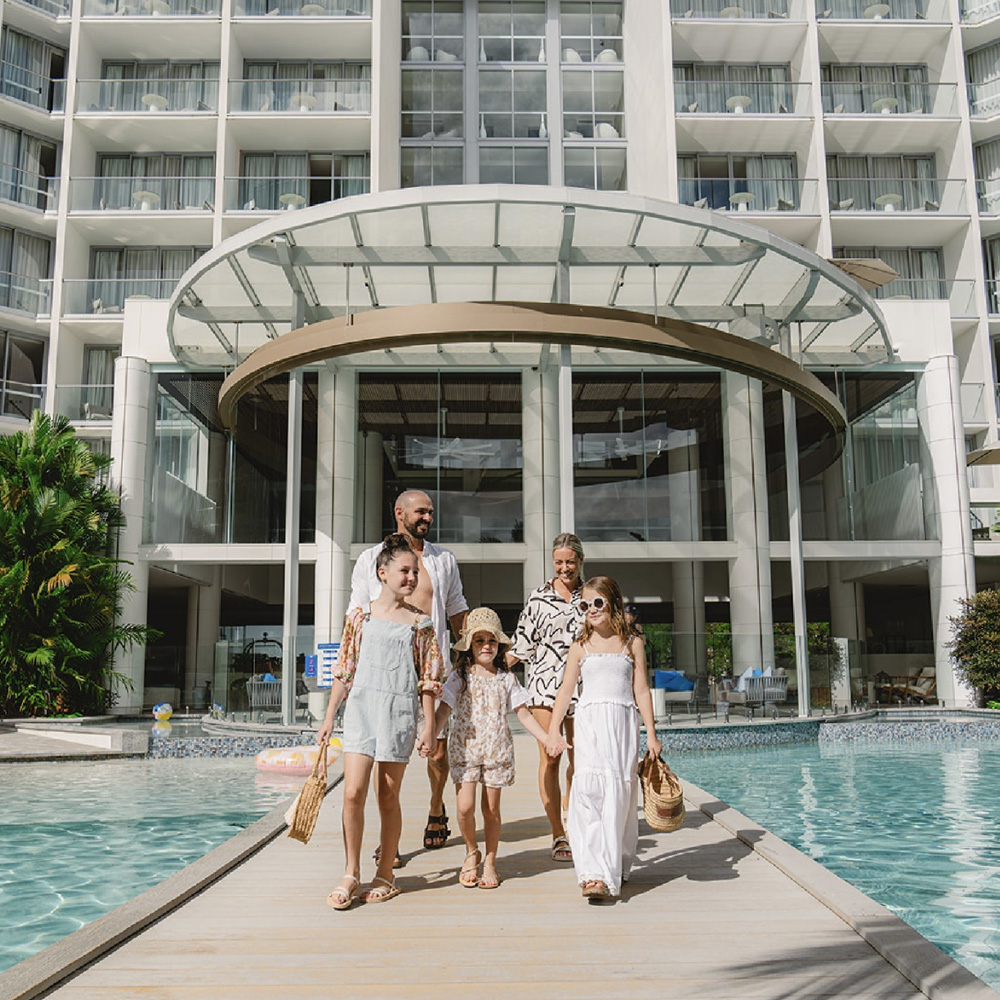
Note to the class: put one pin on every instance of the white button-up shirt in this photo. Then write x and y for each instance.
(441, 566)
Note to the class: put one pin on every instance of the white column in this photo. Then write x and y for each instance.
(204, 605)
(687, 578)
(746, 498)
(540, 437)
(368, 487)
(567, 513)
(131, 430)
(798, 568)
(946, 511)
(293, 501)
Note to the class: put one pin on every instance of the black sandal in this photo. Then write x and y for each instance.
(436, 838)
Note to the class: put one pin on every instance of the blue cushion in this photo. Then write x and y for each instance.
(671, 680)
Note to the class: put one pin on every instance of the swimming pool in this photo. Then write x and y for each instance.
(913, 825)
(82, 837)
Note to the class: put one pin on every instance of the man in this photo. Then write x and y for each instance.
(438, 594)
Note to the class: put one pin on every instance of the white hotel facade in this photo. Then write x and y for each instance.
(183, 182)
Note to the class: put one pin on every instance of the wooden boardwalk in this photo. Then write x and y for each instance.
(703, 917)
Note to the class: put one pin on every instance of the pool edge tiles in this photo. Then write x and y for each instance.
(889, 731)
(737, 735)
(47, 968)
(919, 960)
(220, 746)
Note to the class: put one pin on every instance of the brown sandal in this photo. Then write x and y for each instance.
(469, 875)
(490, 879)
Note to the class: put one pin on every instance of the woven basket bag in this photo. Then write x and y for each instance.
(662, 795)
(305, 809)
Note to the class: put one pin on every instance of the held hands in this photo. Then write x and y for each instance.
(427, 743)
(653, 746)
(555, 744)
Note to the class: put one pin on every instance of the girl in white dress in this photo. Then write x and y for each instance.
(603, 823)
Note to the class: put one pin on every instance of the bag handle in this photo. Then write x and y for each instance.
(319, 768)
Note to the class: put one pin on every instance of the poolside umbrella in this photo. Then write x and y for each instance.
(869, 272)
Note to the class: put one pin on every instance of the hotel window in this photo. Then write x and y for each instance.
(871, 183)
(433, 30)
(28, 168)
(597, 168)
(513, 165)
(991, 264)
(512, 104)
(511, 32)
(271, 181)
(22, 374)
(32, 70)
(183, 85)
(180, 180)
(703, 88)
(710, 181)
(116, 273)
(25, 262)
(432, 103)
(863, 89)
(297, 85)
(920, 270)
(422, 166)
(593, 103)
(591, 32)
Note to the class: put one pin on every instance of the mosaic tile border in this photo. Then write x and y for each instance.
(220, 746)
(937, 730)
(740, 735)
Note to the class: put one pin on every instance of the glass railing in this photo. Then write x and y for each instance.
(296, 8)
(988, 196)
(700, 97)
(26, 188)
(278, 194)
(85, 402)
(106, 296)
(274, 96)
(993, 296)
(150, 8)
(54, 8)
(973, 397)
(164, 96)
(977, 13)
(164, 194)
(897, 194)
(985, 520)
(984, 99)
(936, 99)
(32, 88)
(895, 10)
(23, 293)
(20, 399)
(735, 9)
(743, 194)
(960, 295)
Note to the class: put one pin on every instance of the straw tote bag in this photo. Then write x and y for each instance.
(662, 795)
(302, 815)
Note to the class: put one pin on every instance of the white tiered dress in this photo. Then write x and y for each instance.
(603, 820)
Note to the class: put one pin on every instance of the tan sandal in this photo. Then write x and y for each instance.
(343, 896)
(469, 875)
(561, 850)
(595, 889)
(490, 879)
(379, 890)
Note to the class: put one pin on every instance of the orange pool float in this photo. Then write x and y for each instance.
(298, 761)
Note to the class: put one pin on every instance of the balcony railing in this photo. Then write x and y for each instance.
(984, 99)
(977, 13)
(296, 8)
(743, 194)
(897, 194)
(985, 518)
(150, 8)
(142, 194)
(26, 188)
(734, 9)
(85, 402)
(32, 88)
(23, 293)
(20, 399)
(54, 8)
(894, 10)
(106, 296)
(993, 297)
(160, 96)
(937, 99)
(274, 96)
(988, 196)
(700, 97)
(959, 294)
(276, 194)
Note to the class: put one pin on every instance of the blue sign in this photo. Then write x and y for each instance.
(327, 663)
(311, 660)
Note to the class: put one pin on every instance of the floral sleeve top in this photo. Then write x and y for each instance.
(427, 658)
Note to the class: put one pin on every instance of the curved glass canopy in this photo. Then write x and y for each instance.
(493, 243)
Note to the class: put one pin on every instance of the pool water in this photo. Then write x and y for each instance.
(82, 837)
(913, 825)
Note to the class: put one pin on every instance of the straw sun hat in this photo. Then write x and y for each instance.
(482, 620)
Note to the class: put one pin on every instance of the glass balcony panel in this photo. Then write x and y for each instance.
(26, 294)
(106, 296)
(352, 96)
(158, 96)
(54, 8)
(735, 9)
(973, 396)
(277, 194)
(896, 194)
(985, 518)
(296, 8)
(150, 8)
(32, 88)
(976, 13)
(743, 194)
(940, 100)
(918, 288)
(704, 97)
(85, 402)
(27, 188)
(935, 11)
(20, 399)
(142, 194)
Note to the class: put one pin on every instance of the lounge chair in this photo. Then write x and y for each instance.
(922, 688)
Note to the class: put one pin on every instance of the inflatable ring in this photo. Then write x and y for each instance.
(297, 761)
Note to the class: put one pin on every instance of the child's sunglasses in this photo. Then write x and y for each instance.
(598, 604)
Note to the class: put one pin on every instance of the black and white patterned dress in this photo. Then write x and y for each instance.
(545, 631)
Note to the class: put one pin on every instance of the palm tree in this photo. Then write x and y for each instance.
(60, 582)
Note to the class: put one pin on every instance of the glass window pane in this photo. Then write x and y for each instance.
(496, 165)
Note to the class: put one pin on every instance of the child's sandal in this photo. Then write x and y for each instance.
(469, 875)
(490, 879)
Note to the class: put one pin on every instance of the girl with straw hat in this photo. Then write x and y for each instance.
(478, 694)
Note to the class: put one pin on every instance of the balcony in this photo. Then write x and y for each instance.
(150, 8)
(960, 294)
(978, 13)
(92, 403)
(25, 294)
(279, 194)
(142, 194)
(27, 189)
(296, 8)
(738, 9)
(939, 100)
(897, 195)
(163, 96)
(742, 194)
(54, 8)
(300, 96)
(27, 87)
(20, 399)
(698, 97)
(106, 296)
(935, 11)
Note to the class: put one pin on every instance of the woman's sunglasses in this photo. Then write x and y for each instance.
(598, 604)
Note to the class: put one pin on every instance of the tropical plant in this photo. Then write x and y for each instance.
(975, 645)
(61, 584)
